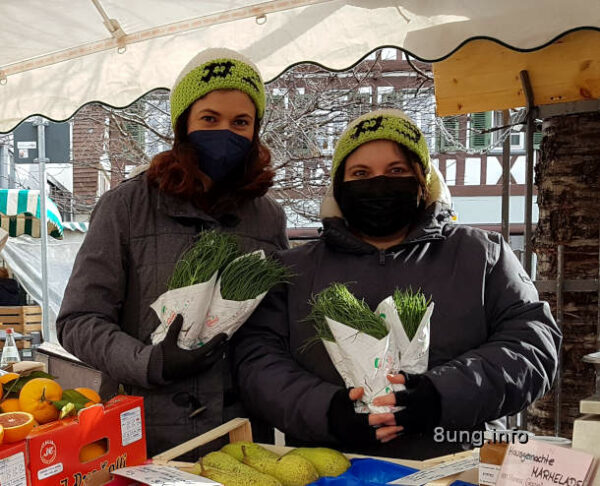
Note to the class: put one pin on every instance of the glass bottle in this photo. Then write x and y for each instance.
(10, 353)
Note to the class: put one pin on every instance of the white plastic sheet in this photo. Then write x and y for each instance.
(23, 256)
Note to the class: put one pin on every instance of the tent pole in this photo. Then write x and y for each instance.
(506, 180)
(3, 165)
(41, 160)
(531, 115)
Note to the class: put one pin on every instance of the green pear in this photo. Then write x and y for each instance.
(227, 478)
(327, 462)
(294, 470)
(224, 462)
(235, 450)
(262, 463)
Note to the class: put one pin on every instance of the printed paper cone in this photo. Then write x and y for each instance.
(413, 356)
(342, 363)
(387, 310)
(223, 316)
(366, 361)
(191, 302)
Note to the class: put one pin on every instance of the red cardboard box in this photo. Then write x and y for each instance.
(54, 449)
(13, 464)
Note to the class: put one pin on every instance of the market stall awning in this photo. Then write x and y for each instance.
(56, 56)
(20, 211)
(75, 226)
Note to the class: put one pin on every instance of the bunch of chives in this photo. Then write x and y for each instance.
(251, 275)
(211, 252)
(411, 307)
(338, 303)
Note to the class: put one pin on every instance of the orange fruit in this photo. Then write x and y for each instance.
(92, 451)
(1, 434)
(5, 378)
(16, 425)
(36, 397)
(10, 405)
(90, 394)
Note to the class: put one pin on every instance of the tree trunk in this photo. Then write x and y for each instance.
(568, 183)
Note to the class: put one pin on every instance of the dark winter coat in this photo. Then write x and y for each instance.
(136, 236)
(494, 345)
(9, 292)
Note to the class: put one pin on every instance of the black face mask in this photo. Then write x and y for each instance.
(379, 206)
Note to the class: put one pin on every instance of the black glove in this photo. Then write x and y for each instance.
(180, 363)
(345, 424)
(422, 402)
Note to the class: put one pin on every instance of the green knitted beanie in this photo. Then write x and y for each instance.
(382, 125)
(215, 69)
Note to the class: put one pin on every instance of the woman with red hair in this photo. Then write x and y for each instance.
(216, 176)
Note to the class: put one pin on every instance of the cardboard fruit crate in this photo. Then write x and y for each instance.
(13, 464)
(239, 429)
(55, 449)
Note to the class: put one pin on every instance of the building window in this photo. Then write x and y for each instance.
(537, 140)
(480, 122)
(447, 135)
(389, 54)
(390, 97)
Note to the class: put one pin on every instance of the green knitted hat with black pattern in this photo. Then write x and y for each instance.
(382, 125)
(214, 69)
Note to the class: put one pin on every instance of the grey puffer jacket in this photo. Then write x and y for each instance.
(494, 345)
(136, 236)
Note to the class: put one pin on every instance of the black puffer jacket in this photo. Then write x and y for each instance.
(493, 343)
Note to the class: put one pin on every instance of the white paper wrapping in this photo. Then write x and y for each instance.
(413, 355)
(191, 302)
(223, 316)
(364, 361)
(205, 312)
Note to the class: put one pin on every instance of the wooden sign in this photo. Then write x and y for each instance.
(484, 75)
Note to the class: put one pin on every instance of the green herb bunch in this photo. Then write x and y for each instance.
(339, 304)
(211, 252)
(251, 275)
(411, 307)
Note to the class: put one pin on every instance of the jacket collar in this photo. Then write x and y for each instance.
(177, 207)
(337, 235)
(184, 210)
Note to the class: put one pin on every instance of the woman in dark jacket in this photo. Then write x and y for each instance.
(215, 177)
(387, 224)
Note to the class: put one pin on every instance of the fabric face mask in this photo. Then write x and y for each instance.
(379, 206)
(220, 152)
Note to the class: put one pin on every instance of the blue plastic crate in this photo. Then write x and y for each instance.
(367, 472)
(372, 472)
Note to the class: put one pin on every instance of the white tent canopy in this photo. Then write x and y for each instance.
(56, 56)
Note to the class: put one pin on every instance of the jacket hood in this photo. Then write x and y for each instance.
(438, 193)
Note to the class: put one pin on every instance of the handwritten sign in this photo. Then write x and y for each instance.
(541, 464)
